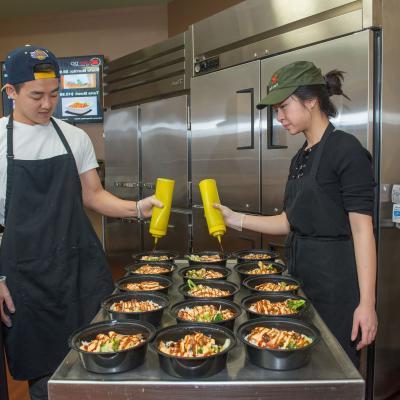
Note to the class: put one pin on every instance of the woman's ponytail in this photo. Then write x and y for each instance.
(334, 80)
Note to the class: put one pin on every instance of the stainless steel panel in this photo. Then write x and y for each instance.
(225, 135)
(121, 152)
(122, 177)
(163, 125)
(153, 72)
(248, 20)
(387, 346)
(275, 243)
(178, 234)
(122, 238)
(372, 13)
(286, 39)
(129, 96)
(140, 56)
(232, 241)
(140, 79)
(350, 54)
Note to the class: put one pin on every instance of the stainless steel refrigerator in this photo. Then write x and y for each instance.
(226, 146)
(235, 53)
(122, 179)
(146, 137)
(164, 153)
(248, 152)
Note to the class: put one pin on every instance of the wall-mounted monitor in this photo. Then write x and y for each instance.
(81, 90)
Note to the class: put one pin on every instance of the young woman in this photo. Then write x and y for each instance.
(328, 206)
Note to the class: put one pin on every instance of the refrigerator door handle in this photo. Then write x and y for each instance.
(148, 222)
(149, 185)
(127, 220)
(126, 184)
(251, 92)
(270, 131)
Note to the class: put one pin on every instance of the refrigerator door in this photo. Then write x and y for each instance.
(225, 135)
(122, 152)
(163, 126)
(351, 54)
(178, 234)
(232, 241)
(122, 238)
(275, 243)
(122, 177)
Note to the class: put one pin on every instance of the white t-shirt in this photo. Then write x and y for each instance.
(38, 142)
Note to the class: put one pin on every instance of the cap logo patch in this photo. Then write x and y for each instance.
(274, 82)
(39, 55)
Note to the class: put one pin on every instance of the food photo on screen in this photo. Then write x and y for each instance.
(79, 106)
(78, 81)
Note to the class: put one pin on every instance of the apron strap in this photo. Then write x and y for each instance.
(315, 164)
(10, 163)
(61, 136)
(10, 156)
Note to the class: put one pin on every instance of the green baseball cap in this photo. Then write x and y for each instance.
(287, 79)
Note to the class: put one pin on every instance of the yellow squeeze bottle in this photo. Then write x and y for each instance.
(160, 216)
(214, 218)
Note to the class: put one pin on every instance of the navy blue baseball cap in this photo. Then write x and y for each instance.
(20, 64)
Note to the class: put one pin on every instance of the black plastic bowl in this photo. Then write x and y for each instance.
(172, 255)
(247, 301)
(269, 255)
(161, 279)
(153, 317)
(199, 367)
(223, 285)
(224, 258)
(228, 323)
(120, 361)
(279, 359)
(131, 268)
(243, 269)
(253, 281)
(223, 270)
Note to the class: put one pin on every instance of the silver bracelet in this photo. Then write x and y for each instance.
(2, 278)
(242, 221)
(138, 210)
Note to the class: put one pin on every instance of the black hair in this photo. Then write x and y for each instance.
(37, 68)
(322, 93)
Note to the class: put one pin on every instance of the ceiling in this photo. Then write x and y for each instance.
(22, 8)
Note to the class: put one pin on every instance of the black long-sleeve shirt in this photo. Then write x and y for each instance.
(345, 171)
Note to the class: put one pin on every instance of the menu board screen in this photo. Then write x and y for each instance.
(81, 95)
(81, 90)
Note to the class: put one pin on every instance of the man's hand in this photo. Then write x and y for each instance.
(5, 299)
(145, 206)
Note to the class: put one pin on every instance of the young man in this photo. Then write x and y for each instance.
(55, 267)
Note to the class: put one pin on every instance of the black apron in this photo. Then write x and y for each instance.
(321, 252)
(55, 265)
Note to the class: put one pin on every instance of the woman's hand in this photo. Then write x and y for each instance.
(232, 219)
(364, 317)
(145, 206)
(5, 299)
